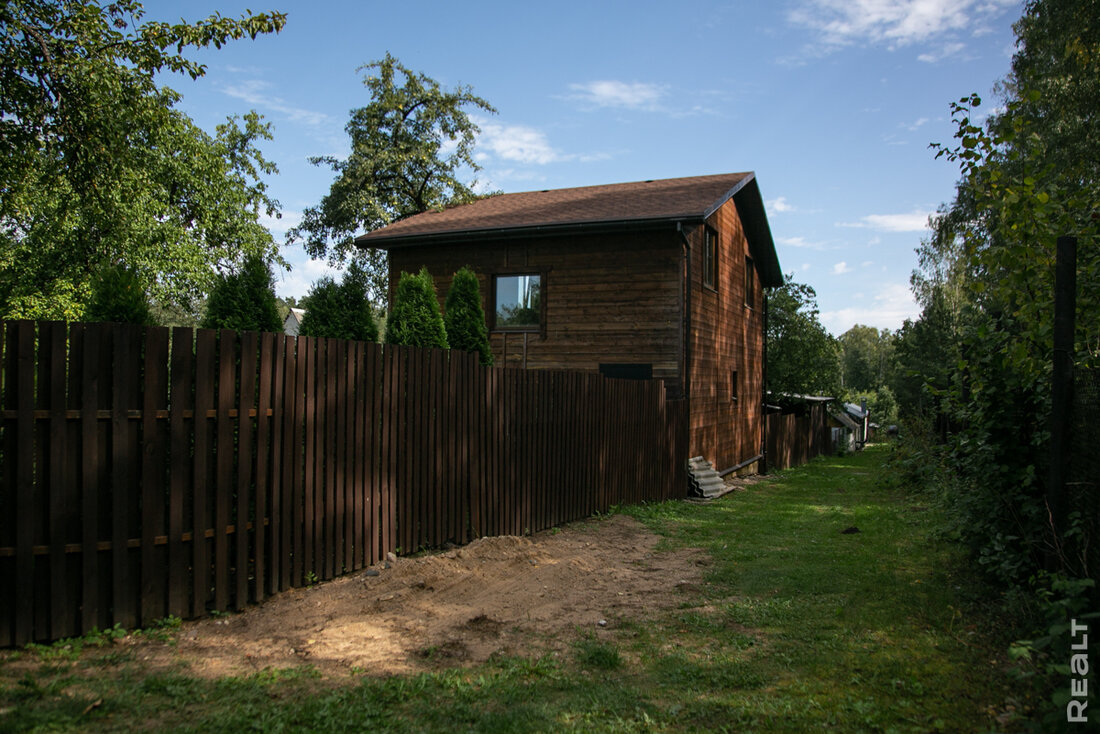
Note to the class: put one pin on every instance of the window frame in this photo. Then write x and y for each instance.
(710, 258)
(750, 282)
(538, 328)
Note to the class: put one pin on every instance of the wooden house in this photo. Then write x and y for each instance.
(653, 279)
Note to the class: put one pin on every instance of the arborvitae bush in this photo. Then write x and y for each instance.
(415, 319)
(465, 318)
(244, 300)
(340, 310)
(118, 296)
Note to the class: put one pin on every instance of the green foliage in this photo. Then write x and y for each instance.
(118, 296)
(415, 319)
(244, 300)
(409, 146)
(865, 357)
(342, 310)
(99, 166)
(464, 317)
(802, 355)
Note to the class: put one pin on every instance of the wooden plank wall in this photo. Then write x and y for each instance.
(155, 472)
(794, 440)
(726, 337)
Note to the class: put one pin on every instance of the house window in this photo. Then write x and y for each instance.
(518, 302)
(750, 283)
(710, 258)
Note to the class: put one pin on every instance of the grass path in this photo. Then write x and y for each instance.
(798, 626)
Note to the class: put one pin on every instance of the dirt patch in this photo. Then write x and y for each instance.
(508, 595)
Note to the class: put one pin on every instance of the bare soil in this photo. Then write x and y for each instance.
(507, 595)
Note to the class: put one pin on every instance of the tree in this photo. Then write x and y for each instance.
(464, 318)
(340, 310)
(1030, 173)
(98, 166)
(118, 296)
(408, 147)
(865, 357)
(802, 356)
(244, 300)
(415, 319)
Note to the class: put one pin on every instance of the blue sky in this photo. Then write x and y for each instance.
(831, 102)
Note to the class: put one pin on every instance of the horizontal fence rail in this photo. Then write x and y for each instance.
(147, 471)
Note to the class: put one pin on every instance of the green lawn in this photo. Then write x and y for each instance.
(798, 626)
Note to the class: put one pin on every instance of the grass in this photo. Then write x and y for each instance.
(797, 626)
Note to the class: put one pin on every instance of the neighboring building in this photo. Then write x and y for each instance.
(293, 321)
(654, 279)
(861, 416)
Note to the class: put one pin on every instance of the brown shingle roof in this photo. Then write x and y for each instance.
(642, 203)
(675, 198)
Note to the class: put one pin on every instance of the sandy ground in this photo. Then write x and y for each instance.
(508, 595)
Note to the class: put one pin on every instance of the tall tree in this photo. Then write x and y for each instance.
(409, 147)
(98, 166)
(865, 357)
(802, 356)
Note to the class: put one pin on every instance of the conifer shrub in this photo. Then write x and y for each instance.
(118, 296)
(415, 319)
(244, 300)
(464, 316)
(340, 310)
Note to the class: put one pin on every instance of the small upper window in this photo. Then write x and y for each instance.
(710, 258)
(518, 302)
(750, 283)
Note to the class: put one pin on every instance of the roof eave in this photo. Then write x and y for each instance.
(506, 232)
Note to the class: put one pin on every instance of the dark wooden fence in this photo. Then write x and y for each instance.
(149, 472)
(795, 439)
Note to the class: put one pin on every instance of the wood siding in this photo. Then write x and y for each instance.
(608, 298)
(726, 338)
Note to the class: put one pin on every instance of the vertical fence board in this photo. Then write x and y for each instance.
(265, 467)
(125, 457)
(180, 476)
(205, 357)
(53, 338)
(293, 482)
(246, 396)
(224, 458)
(24, 480)
(154, 568)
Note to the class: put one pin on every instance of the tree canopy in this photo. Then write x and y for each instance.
(802, 355)
(409, 146)
(1030, 173)
(98, 166)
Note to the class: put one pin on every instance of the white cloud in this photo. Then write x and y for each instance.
(800, 242)
(917, 125)
(611, 93)
(778, 206)
(894, 23)
(303, 273)
(915, 221)
(278, 226)
(945, 51)
(841, 268)
(257, 92)
(517, 143)
(892, 304)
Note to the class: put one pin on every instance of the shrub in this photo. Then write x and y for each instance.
(341, 311)
(415, 319)
(118, 296)
(464, 317)
(244, 300)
